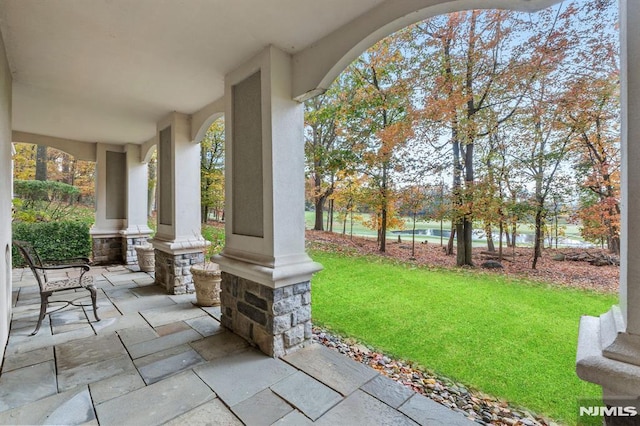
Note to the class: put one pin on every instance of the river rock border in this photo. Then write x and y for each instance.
(475, 405)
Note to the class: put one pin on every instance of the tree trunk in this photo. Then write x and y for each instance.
(330, 215)
(383, 224)
(41, 162)
(319, 223)
(490, 245)
(537, 249)
(468, 241)
(460, 246)
(413, 237)
(614, 246)
(204, 213)
(500, 241)
(449, 250)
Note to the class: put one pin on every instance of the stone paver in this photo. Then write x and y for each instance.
(159, 356)
(135, 304)
(214, 311)
(68, 320)
(171, 328)
(158, 370)
(388, 391)
(205, 325)
(115, 386)
(88, 373)
(429, 413)
(212, 412)
(161, 343)
(253, 369)
(174, 313)
(107, 325)
(220, 345)
(360, 408)
(295, 418)
(27, 384)
(69, 408)
(133, 335)
(307, 394)
(13, 362)
(156, 403)
(330, 368)
(262, 409)
(94, 349)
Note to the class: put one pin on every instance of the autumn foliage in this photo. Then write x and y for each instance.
(517, 112)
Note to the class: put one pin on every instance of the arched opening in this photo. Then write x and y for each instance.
(212, 183)
(72, 188)
(488, 108)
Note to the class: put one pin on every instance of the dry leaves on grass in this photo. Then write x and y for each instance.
(516, 263)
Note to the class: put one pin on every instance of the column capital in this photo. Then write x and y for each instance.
(300, 268)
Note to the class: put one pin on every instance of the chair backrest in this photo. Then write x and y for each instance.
(32, 258)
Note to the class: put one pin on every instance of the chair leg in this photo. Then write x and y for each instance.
(44, 297)
(93, 291)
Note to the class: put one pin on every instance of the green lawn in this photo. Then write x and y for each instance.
(508, 338)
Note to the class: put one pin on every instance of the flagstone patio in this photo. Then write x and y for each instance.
(158, 359)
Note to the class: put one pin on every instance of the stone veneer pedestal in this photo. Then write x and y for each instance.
(107, 250)
(129, 244)
(173, 270)
(277, 320)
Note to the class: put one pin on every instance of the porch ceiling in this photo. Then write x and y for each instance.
(108, 70)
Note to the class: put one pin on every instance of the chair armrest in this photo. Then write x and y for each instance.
(69, 261)
(84, 266)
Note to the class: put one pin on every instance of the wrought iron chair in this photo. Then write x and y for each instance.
(48, 287)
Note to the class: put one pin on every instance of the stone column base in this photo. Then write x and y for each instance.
(277, 321)
(107, 250)
(173, 270)
(129, 243)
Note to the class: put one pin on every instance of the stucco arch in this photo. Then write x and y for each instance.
(147, 149)
(79, 149)
(315, 68)
(203, 119)
(202, 130)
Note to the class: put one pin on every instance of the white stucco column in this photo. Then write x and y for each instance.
(110, 193)
(266, 271)
(178, 242)
(609, 346)
(136, 230)
(6, 179)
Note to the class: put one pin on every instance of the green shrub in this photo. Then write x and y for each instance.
(49, 190)
(53, 240)
(44, 201)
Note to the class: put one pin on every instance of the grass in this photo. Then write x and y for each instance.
(215, 235)
(511, 339)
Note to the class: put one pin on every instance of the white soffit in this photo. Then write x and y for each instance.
(108, 70)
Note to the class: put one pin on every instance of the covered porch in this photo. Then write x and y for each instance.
(112, 80)
(159, 359)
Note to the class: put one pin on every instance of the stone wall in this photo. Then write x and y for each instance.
(129, 243)
(107, 250)
(278, 321)
(173, 271)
